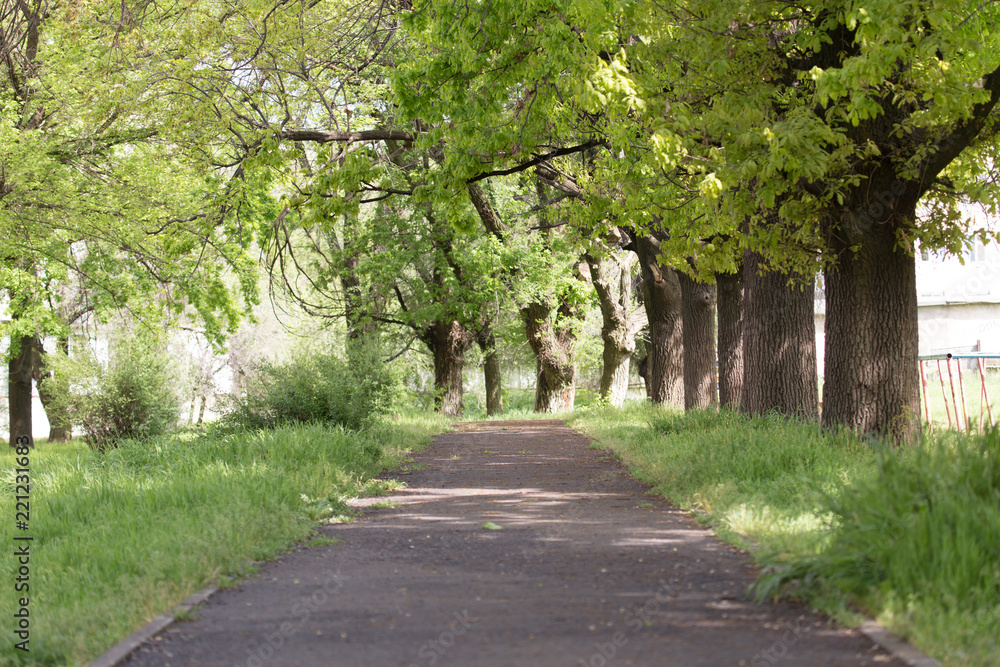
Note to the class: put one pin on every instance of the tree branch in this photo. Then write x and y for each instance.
(552, 178)
(347, 137)
(494, 225)
(538, 159)
(963, 135)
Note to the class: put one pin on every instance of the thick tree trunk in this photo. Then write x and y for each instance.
(49, 388)
(611, 274)
(448, 342)
(661, 298)
(779, 347)
(487, 342)
(871, 366)
(730, 308)
(698, 311)
(19, 389)
(555, 386)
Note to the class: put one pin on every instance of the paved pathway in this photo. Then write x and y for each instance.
(586, 569)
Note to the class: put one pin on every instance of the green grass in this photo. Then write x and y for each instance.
(122, 537)
(909, 536)
(974, 406)
(756, 481)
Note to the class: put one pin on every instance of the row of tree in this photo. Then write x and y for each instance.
(426, 167)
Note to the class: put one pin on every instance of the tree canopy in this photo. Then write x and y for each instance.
(362, 145)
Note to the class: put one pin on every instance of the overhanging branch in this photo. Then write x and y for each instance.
(964, 134)
(538, 159)
(347, 137)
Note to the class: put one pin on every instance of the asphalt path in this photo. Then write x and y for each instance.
(513, 543)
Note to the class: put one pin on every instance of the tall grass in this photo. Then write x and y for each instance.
(910, 536)
(121, 537)
(918, 546)
(759, 480)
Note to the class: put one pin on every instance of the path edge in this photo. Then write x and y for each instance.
(892, 644)
(118, 653)
(897, 647)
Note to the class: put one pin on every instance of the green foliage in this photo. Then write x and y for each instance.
(128, 534)
(918, 542)
(319, 387)
(132, 397)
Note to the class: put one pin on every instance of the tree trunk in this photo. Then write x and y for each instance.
(698, 311)
(615, 372)
(611, 274)
(49, 388)
(871, 365)
(730, 309)
(359, 306)
(487, 342)
(661, 298)
(448, 342)
(779, 337)
(555, 385)
(19, 389)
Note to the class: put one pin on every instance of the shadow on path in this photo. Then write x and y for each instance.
(586, 569)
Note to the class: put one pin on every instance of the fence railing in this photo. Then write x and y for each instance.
(957, 419)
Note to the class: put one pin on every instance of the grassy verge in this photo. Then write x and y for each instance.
(911, 537)
(121, 537)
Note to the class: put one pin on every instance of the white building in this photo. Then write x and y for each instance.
(958, 303)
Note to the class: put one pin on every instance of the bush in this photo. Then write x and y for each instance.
(132, 397)
(317, 387)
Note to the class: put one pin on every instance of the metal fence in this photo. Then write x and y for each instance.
(957, 409)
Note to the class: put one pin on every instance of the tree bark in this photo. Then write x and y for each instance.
(661, 298)
(730, 309)
(358, 306)
(871, 364)
(698, 311)
(555, 386)
(779, 337)
(448, 342)
(19, 389)
(487, 341)
(611, 275)
(358, 325)
(49, 388)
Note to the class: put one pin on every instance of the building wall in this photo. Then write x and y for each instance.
(964, 327)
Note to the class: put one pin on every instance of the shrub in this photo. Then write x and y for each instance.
(132, 397)
(317, 387)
